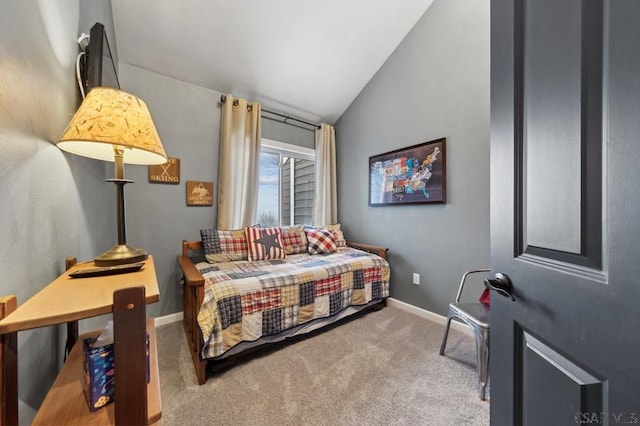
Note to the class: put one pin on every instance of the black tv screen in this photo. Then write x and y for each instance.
(99, 64)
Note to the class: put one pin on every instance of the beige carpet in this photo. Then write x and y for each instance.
(382, 368)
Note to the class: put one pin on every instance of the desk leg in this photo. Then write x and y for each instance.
(130, 352)
(8, 367)
(72, 337)
(72, 326)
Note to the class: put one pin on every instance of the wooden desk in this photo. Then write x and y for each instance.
(70, 299)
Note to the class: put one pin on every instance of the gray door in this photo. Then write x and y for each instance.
(565, 211)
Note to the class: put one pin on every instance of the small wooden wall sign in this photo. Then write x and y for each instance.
(199, 193)
(168, 172)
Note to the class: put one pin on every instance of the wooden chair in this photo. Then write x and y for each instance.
(476, 315)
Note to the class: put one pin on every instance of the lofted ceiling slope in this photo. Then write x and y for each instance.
(308, 59)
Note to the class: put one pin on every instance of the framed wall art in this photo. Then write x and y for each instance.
(168, 172)
(411, 175)
(199, 193)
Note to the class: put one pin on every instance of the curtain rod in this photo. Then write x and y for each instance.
(223, 99)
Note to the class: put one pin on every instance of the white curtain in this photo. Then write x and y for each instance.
(325, 206)
(239, 166)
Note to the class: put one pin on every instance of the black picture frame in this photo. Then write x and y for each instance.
(411, 175)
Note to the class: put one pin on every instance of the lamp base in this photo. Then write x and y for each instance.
(121, 254)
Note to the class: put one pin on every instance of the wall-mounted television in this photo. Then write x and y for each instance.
(100, 68)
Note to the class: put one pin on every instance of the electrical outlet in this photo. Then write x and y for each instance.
(416, 278)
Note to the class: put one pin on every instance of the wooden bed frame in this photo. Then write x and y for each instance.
(193, 295)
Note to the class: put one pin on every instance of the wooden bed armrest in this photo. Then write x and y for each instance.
(369, 248)
(191, 274)
(193, 295)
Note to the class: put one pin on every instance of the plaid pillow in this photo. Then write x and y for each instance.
(321, 241)
(294, 239)
(264, 243)
(336, 230)
(224, 246)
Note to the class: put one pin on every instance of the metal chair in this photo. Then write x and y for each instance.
(475, 315)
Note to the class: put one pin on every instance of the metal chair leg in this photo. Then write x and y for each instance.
(446, 334)
(482, 346)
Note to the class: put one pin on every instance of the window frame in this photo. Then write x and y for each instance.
(287, 150)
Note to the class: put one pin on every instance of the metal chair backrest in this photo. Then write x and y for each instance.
(464, 279)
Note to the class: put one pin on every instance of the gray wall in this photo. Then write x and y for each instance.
(52, 203)
(436, 84)
(188, 120)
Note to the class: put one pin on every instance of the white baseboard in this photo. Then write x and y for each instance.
(431, 316)
(168, 319)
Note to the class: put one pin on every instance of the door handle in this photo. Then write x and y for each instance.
(501, 284)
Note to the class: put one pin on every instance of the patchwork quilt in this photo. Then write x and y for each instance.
(246, 300)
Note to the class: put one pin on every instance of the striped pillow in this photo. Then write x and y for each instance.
(264, 243)
(321, 241)
(224, 246)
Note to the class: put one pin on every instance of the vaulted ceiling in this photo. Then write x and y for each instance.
(308, 59)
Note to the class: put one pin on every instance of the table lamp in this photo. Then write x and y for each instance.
(112, 125)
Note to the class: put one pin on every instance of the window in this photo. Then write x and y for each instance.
(287, 179)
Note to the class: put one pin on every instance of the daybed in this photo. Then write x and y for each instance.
(236, 301)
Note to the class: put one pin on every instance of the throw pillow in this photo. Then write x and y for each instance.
(321, 241)
(294, 239)
(336, 230)
(224, 246)
(264, 243)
